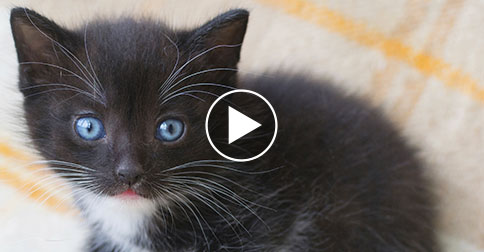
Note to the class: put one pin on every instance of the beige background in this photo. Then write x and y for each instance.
(420, 61)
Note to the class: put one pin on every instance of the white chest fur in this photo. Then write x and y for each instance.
(120, 220)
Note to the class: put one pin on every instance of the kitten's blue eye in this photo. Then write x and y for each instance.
(170, 130)
(90, 128)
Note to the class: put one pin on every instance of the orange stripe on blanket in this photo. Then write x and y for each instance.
(391, 47)
(9, 151)
(34, 190)
(28, 184)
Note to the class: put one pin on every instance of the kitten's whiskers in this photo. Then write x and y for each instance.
(195, 74)
(191, 191)
(71, 57)
(96, 79)
(183, 200)
(172, 94)
(175, 65)
(172, 77)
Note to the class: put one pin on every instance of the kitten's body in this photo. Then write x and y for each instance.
(338, 178)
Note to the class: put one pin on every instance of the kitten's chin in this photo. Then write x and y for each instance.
(128, 200)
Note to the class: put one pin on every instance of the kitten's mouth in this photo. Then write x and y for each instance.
(130, 193)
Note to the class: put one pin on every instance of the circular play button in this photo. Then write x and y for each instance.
(241, 125)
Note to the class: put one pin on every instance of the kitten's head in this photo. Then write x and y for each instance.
(116, 104)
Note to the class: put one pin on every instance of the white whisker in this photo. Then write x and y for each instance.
(198, 85)
(176, 63)
(96, 79)
(172, 77)
(66, 52)
(195, 74)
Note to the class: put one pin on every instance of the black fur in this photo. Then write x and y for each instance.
(345, 179)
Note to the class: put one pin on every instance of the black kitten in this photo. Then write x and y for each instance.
(119, 108)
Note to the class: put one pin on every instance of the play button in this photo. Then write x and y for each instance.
(241, 125)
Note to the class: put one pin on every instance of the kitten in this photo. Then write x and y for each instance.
(119, 106)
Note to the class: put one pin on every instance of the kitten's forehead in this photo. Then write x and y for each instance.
(131, 60)
(130, 49)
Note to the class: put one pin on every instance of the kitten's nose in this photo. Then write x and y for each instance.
(129, 174)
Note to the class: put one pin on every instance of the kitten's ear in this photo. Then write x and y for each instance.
(35, 36)
(36, 40)
(223, 35)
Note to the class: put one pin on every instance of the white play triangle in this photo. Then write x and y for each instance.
(240, 125)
